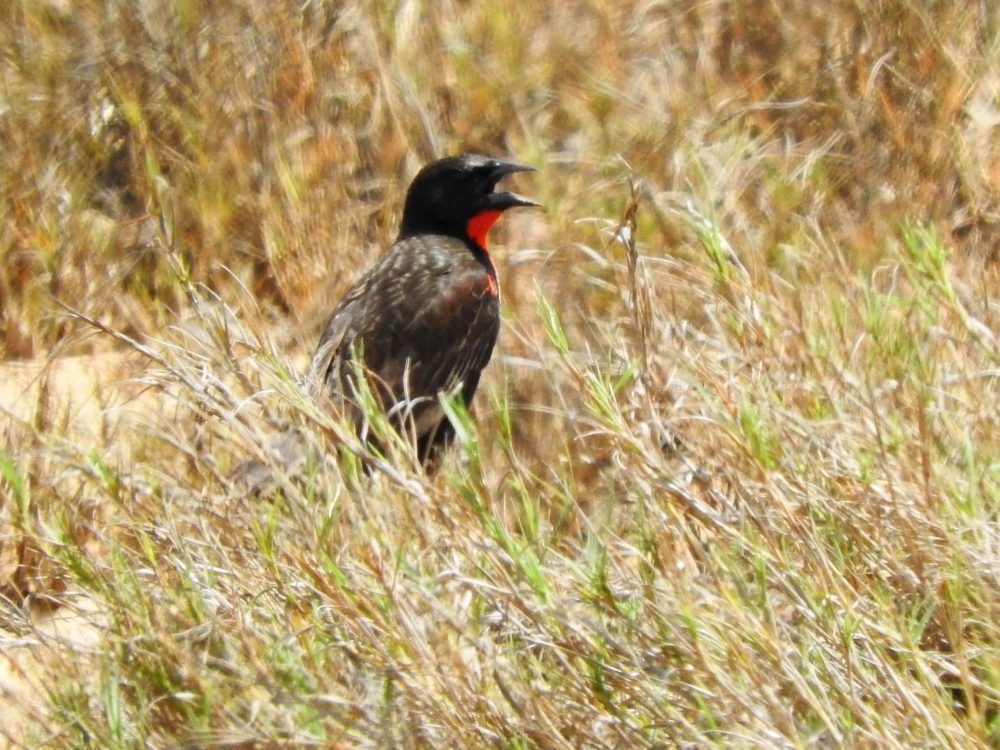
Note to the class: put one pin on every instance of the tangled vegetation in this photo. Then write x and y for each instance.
(733, 477)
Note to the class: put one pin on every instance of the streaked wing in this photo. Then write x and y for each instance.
(424, 317)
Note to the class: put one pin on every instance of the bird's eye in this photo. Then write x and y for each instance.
(484, 177)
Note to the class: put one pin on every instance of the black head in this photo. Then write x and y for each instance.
(445, 195)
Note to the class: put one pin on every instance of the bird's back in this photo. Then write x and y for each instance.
(424, 319)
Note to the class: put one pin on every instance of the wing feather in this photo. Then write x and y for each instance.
(425, 319)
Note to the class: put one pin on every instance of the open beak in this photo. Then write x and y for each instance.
(505, 200)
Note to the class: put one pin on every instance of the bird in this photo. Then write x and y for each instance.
(424, 319)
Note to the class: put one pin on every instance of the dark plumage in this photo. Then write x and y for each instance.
(425, 317)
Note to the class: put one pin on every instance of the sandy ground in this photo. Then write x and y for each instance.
(28, 659)
(76, 393)
(72, 387)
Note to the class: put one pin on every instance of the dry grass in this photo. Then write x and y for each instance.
(734, 477)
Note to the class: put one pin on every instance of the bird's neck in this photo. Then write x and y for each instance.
(414, 225)
(474, 229)
(479, 225)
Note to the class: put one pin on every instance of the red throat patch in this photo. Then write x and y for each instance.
(479, 225)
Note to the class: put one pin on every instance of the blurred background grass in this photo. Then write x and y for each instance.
(736, 477)
(284, 134)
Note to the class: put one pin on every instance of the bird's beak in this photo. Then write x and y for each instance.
(504, 168)
(507, 200)
(503, 201)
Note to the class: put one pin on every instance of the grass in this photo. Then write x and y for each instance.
(733, 475)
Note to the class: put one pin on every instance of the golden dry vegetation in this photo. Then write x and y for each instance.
(734, 473)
